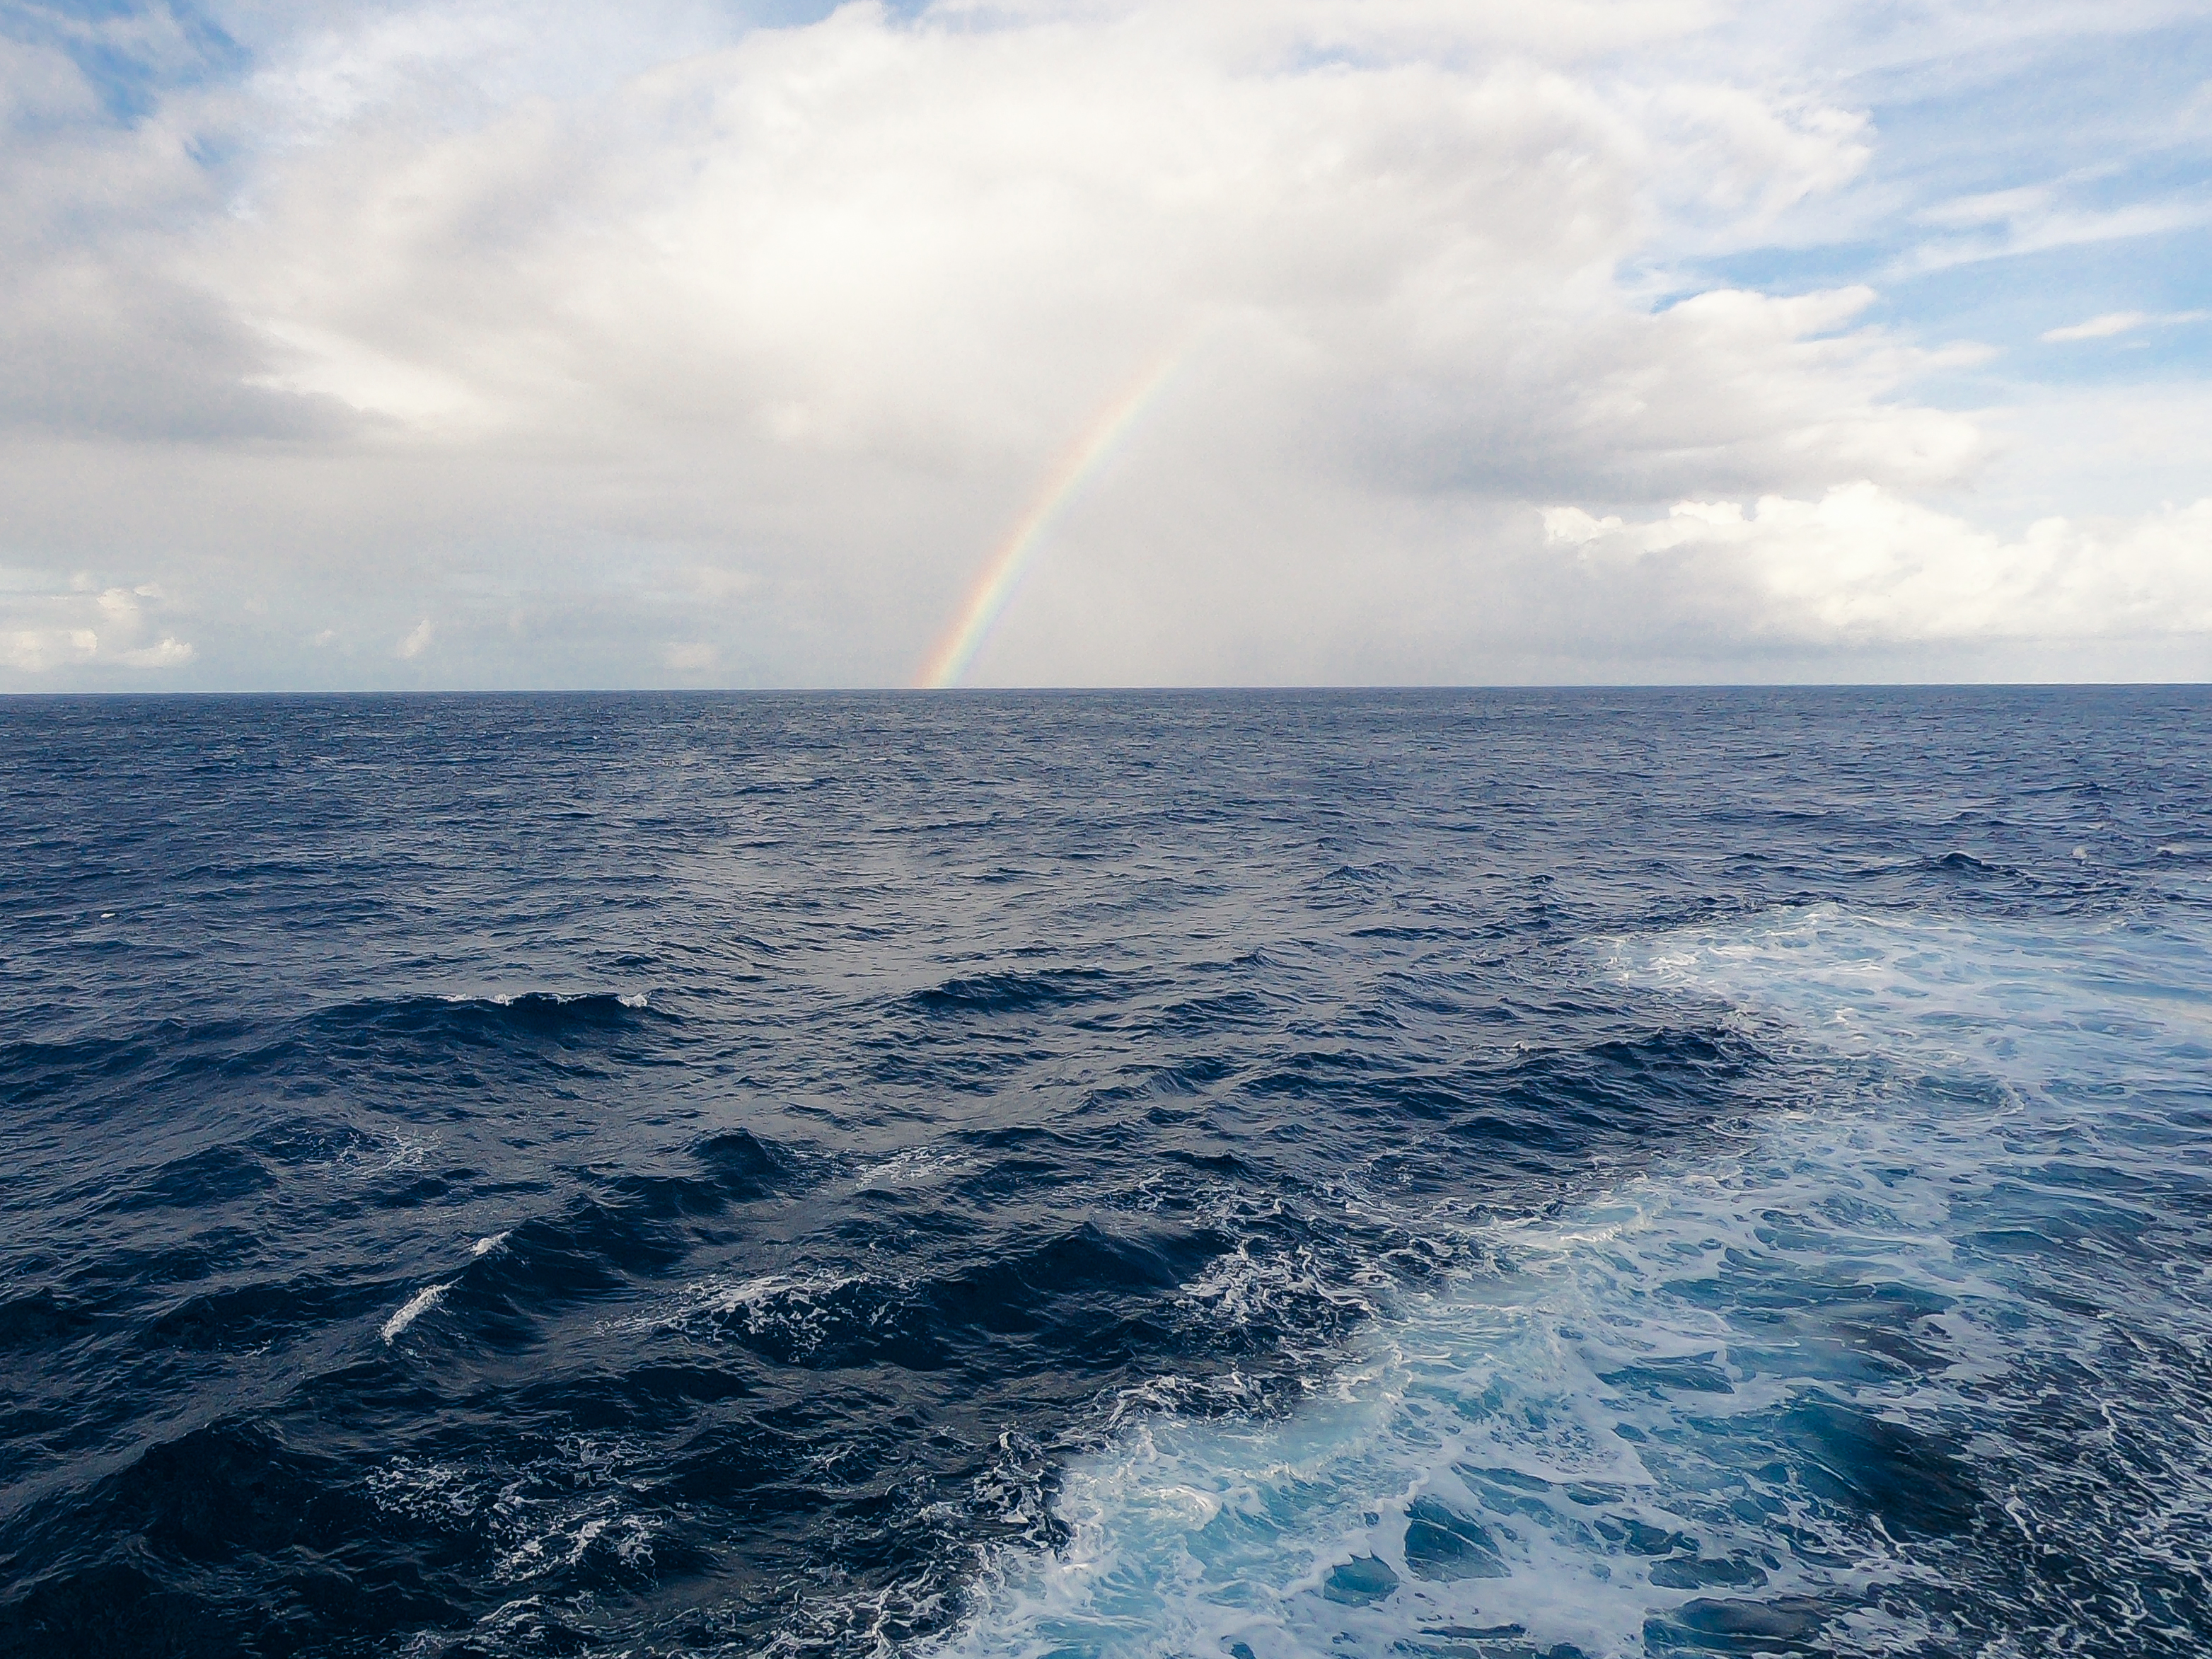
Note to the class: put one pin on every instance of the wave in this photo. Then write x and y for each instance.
(1016, 992)
(813, 1321)
(540, 1005)
(39, 1318)
(412, 1310)
(140, 1071)
(259, 1313)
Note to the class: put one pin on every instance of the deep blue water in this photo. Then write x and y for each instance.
(1468, 1175)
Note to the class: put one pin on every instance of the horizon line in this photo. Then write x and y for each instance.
(1302, 688)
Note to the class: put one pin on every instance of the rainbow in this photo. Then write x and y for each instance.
(1002, 572)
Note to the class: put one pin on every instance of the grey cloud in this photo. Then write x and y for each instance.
(102, 331)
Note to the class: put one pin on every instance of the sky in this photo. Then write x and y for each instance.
(696, 343)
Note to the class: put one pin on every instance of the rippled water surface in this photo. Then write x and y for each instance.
(1476, 1175)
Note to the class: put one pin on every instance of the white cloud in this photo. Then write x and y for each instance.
(2036, 220)
(49, 624)
(862, 258)
(1999, 206)
(168, 652)
(2108, 324)
(688, 656)
(2098, 328)
(415, 641)
(34, 650)
(931, 248)
(1862, 564)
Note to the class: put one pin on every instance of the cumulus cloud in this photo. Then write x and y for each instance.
(168, 652)
(932, 249)
(598, 338)
(34, 650)
(48, 623)
(1860, 562)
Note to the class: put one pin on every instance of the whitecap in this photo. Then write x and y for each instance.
(415, 1306)
(916, 1166)
(540, 1517)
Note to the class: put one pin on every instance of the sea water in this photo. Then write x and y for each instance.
(1457, 1174)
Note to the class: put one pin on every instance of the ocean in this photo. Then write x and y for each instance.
(1455, 1175)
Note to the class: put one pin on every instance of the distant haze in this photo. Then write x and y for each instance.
(485, 344)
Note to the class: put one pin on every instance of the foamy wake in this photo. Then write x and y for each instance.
(1770, 1400)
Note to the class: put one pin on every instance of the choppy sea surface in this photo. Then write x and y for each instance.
(1457, 1175)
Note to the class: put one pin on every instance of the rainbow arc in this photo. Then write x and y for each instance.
(1010, 560)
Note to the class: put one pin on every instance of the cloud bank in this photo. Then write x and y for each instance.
(1862, 564)
(435, 347)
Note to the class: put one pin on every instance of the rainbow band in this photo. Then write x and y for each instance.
(1003, 571)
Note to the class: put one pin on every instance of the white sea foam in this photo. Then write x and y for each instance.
(562, 1542)
(1670, 1408)
(509, 998)
(413, 1308)
(425, 1490)
(487, 1244)
(916, 1166)
(379, 1154)
(544, 1516)
(721, 1297)
(796, 1317)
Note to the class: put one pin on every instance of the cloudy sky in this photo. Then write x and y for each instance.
(696, 343)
